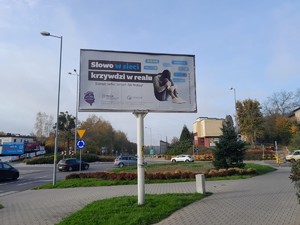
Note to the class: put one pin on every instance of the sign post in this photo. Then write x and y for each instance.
(140, 167)
(80, 144)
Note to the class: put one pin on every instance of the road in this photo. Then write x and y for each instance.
(34, 175)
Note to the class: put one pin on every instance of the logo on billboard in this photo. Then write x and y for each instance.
(89, 97)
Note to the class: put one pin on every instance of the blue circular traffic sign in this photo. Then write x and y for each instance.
(80, 144)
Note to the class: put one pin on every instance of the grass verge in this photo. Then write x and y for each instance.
(125, 210)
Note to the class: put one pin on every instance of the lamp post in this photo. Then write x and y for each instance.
(235, 106)
(76, 120)
(44, 33)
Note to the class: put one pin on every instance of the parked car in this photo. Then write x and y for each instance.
(127, 160)
(182, 158)
(71, 164)
(8, 172)
(292, 157)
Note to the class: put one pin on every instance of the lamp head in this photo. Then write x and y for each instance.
(45, 33)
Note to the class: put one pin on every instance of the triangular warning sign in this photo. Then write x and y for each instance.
(80, 133)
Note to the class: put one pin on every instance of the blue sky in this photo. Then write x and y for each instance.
(252, 46)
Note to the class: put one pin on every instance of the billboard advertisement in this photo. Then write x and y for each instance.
(133, 81)
(12, 148)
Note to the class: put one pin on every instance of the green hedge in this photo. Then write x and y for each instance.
(85, 157)
(162, 176)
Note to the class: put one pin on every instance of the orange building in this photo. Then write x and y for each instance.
(207, 131)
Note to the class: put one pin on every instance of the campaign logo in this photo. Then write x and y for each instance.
(89, 97)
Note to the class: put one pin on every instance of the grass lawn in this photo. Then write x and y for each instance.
(171, 167)
(125, 210)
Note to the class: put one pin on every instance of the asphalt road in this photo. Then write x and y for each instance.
(35, 175)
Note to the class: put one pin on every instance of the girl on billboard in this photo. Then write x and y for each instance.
(164, 87)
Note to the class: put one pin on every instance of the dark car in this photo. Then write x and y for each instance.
(71, 164)
(8, 172)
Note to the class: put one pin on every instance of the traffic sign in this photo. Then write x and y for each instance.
(80, 133)
(80, 143)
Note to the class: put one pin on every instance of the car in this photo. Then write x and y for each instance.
(8, 172)
(292, 157)
(71, 164)
(127, 160)
(182, 158)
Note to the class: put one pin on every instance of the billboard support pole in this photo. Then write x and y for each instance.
(140, 153)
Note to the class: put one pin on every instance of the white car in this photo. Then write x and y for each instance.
(292, 157)
(182, 158)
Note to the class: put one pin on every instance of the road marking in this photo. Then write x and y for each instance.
(34, 181)
(8, 193)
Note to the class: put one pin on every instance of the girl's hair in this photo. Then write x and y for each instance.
(166, 74)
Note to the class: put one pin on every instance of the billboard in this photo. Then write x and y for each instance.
(133, 81)
(12, 148)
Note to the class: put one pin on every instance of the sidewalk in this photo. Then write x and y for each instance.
(268, 199)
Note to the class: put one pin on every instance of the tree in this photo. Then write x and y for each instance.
(43, 126)
(295, 177)
(282, 129)
(229, 150)
(100, 133)
(66, 126)
(186, 134)
(183, 145)
(281, 103)
(250, 119)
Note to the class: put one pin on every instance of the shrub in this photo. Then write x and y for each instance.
(162, 176)
(295, 177)
(85, 157)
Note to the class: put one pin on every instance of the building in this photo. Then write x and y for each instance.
(207, 131)
(16, 138)
(296, 114)
(20, 145)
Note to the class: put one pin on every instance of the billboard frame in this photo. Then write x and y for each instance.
(92, 61)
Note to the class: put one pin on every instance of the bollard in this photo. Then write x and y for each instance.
(200, 183)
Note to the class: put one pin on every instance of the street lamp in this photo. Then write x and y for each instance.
(44, 33)
(76, 120)
(235, 106)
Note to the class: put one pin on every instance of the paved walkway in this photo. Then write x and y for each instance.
(262, 200)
